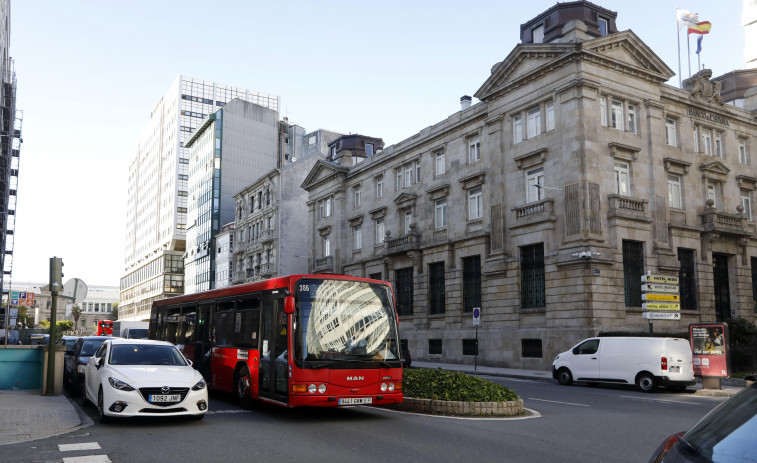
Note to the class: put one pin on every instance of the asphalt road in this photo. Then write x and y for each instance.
(575, 423)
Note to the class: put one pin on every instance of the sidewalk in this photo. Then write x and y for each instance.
(729, 387)
(27, 415)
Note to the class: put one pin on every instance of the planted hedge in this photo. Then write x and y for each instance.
(438, 384)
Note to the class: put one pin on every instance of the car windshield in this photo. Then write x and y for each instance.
(145, 354)
(727, 433)
(342, 320)
(90, 346)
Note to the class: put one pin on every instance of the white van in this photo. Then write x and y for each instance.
(645, 362)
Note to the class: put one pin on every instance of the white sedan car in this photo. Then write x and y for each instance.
(137, 377)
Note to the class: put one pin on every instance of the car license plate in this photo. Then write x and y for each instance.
(164, 398)
(356, 401)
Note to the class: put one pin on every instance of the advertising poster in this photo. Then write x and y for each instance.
(709, 344)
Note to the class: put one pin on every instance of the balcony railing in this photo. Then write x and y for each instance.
(323, 264)
(719, 222)
(266, 235)
(628, 207)
(540, 211)
(404, 243)
(267, 270)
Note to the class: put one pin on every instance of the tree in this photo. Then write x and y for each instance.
(44, 324)
(114, 313)
(76, 313)
(64, 325)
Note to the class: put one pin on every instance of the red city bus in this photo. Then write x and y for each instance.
(299, 340)
(103, 328)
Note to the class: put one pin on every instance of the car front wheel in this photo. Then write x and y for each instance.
(564, 376)
(101, 417)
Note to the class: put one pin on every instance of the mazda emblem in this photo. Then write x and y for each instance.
(165, 389)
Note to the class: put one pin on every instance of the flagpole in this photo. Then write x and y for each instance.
(688, 50)
(678, 36)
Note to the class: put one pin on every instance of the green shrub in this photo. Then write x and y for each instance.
(438, 384)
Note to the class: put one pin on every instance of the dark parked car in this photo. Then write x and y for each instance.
(406, 358)
(727, 433)
(67, 341)
(76, 359)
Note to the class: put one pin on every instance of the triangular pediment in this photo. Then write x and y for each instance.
(714, 167)
(621, 51)
(323, 171)
(405, 200)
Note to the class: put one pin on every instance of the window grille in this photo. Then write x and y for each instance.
(633, 269)
(436, 288)
(531, 348)
(686, 279)
(404, 287)
(435, 346)
(532, 286)
(471, 283)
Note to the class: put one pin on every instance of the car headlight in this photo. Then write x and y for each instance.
(557, 356)
(200, 385)
(120, 385)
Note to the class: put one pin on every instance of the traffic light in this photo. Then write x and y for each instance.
(56, 274)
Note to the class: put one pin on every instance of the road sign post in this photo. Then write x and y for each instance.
(476, 322)
(661, 299)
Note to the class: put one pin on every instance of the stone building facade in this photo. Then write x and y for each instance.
(577, 172)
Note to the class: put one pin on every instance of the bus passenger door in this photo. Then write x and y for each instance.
(202, 353)
(273, 379)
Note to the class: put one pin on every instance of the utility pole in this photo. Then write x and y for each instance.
(56, 283)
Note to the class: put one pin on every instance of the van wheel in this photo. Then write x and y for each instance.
(646, 382)
(564, 376)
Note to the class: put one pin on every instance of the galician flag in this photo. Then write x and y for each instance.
(686, 17)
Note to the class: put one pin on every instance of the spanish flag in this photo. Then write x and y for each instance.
(700, 28)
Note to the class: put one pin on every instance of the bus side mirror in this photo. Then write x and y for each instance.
(289, 304)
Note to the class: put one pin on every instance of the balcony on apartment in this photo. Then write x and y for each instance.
(725, 224)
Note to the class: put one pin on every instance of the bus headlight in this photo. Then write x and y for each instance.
(383, 387)
(391, 387)
(322, 388)
(312, 389)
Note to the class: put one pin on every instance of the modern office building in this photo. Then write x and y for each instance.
(158, 190)
(237, 143)
(224, 249)
(272, 220)
(10, 148)
(578, 171)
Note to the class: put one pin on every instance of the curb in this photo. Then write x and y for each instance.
(456, 408)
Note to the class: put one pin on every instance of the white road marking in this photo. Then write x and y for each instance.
(82, 446)
(88, 459)
(556, 402)
(218, 412)
(660, 400)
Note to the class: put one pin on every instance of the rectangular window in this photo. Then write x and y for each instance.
(435, 346)
(326, 245)
(631, 118)
(441, 166)
(674, 192)
(746, 201)
(356, 196)
(670, 132)
(369, 149)
(603, 26)
(550, 116)
(517, 129)
(471, 283)
(687, 279)
(379, 226)
(440, 213)
(417, 171)
(311, 140)
(408, 220)
(537, 34)
(404, 290)
(534, 185)
(712, 194)
(436, 288)
(617, 115)
(531, 348)
(475, 204)
(534, 122)
(622, 186)
(532, 281)
(474, 150)
(633, 269)
(400, 184)
(379, 187)
(357, 237)
(718, 146)
(754, 284)
(707, 142)
(742, 152)
(603, 111)
(408, 175)
(470, 346)
(696, 139)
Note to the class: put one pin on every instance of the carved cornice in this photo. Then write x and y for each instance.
(531, 159)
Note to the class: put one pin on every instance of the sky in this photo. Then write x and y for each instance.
(89, 73)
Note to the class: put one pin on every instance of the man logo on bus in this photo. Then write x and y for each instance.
(355, 378)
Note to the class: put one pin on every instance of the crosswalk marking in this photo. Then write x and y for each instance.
(88, 459)
(81, 446)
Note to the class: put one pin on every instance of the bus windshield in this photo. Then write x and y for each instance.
(343, 320)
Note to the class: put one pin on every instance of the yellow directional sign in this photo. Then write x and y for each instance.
(660, 297)
(659, 279)
(660, 306)
(659, 288)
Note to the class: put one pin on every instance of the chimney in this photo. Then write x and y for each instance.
(465, 102)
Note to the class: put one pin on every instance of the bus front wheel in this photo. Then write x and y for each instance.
(242, 387)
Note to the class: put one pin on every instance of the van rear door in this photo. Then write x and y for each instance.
(680, 363)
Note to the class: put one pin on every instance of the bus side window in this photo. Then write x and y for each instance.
(224, 323)
(248, 312)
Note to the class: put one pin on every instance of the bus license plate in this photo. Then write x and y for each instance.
(164, 398)
(356, 401)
